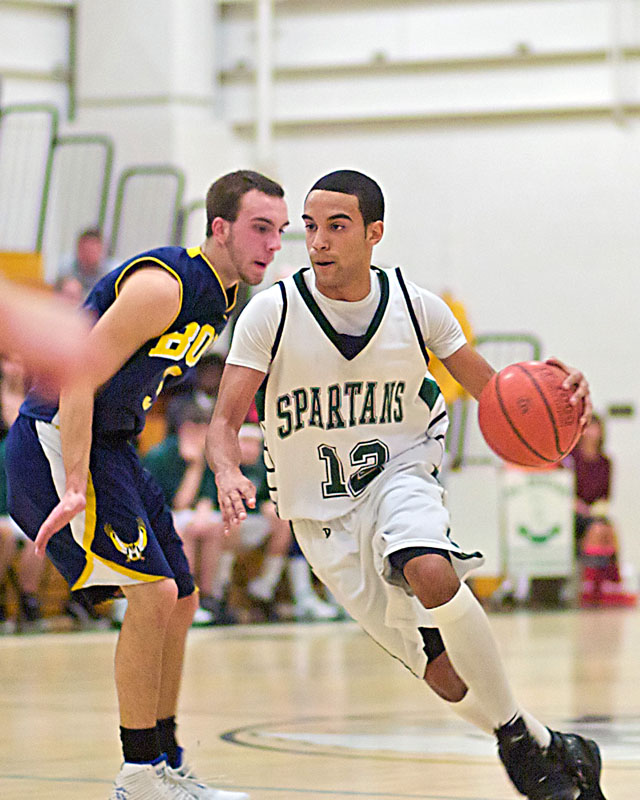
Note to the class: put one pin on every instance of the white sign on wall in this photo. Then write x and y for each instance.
(538, 522)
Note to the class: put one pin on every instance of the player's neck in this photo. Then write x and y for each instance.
(350, 292)
(228, 276)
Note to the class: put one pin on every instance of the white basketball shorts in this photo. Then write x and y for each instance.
(403, 507)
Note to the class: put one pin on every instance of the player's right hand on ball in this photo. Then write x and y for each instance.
(71, 503)
(235, 494)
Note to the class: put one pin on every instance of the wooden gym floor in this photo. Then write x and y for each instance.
(318, 712)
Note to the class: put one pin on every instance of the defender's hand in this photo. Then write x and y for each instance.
(70, 504)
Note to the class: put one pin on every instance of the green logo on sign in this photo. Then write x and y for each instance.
(538, 538)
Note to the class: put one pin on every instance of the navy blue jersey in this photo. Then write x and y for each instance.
(122, 403)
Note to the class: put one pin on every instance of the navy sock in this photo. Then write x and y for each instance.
(140, 745)
(167, 736)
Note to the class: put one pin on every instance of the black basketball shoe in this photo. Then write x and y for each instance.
(536, 773)
(581, 757)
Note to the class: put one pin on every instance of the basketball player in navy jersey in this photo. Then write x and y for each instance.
(354, 436)
(76, 485)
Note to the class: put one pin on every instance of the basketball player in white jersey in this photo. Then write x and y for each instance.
(354, 433)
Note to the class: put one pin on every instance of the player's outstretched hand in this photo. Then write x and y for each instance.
(235, 494)
(48, 337)
(70, 504)
(576, 380)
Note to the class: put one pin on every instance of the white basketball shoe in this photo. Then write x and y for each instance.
(184, 777)
(147, 782)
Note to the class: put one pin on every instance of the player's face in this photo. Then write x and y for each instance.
(338, 244)
(256, 235)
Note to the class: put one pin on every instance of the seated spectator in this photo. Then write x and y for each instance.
(70, 289)
(179, 466)
(208, 376)
(29, 565)
(89, 262)
(601, 583)
(593, 477)
(282, 552)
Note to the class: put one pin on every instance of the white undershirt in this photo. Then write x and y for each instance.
(258, 323)
(347, 316)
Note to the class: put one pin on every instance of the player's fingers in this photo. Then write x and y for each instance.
(557, 363)
(233, 510)
(47, 529)
(575, 380)
(61, 515)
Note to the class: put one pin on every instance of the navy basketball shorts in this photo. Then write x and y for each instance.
(125, 535)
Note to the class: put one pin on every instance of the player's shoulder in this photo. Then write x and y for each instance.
(418, 292)
(166, 255)
(267, 298)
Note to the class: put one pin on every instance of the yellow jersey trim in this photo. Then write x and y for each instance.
(88, 534)
(130, 573)
(87, 540)
(150, 259)
(192, 252)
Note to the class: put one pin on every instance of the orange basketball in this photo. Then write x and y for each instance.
(525, 415)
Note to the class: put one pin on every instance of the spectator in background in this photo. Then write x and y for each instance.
(12, 390)
(178, 464)
(281, 551)
(90, 261)
(208, 375)
(601, 582)
(70, 289)
(29, 567)
(179, 467)
(593, 477)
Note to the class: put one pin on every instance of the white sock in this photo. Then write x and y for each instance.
(223, 574)
(264, 585)
(299, 577)
(540, 733)
(470, 710)
(473, 651)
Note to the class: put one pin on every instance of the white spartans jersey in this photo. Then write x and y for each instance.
(338, 409)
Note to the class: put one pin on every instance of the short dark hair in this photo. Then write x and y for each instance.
(348, 181)
(225, 194)
(90, 233)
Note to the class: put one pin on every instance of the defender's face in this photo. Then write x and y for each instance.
(256, 235)
(338, 244)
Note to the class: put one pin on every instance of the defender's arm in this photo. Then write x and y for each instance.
(147, 304)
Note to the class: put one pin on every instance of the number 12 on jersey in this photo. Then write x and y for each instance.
(367, 460)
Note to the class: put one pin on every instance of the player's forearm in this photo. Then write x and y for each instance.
(237, 389)
(470, 369)
(222, 448)
(76, 418)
